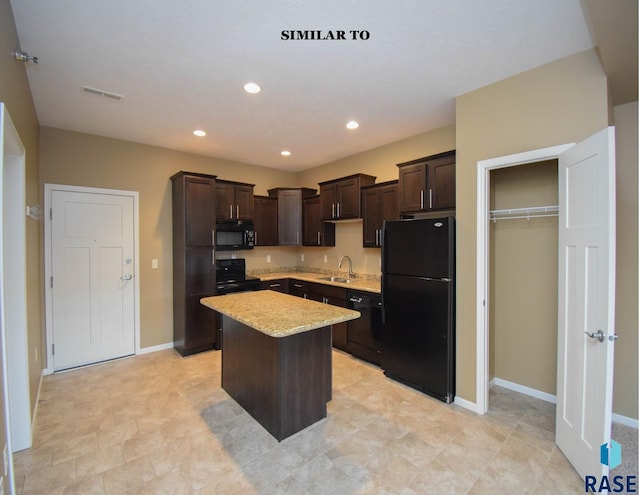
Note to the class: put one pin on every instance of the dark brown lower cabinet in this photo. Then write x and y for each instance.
(337, 296)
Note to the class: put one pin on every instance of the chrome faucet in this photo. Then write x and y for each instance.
(351, 274)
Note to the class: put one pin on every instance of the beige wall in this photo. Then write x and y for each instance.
(523, 274)
(15, 93)
(625, 391)
(85, 160)
(561, 102)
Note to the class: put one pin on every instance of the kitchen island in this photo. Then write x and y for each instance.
(276, 356)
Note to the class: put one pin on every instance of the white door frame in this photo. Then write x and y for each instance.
(482, 260)
(48, 189)
(13, 290)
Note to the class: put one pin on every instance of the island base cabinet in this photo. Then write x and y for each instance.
(283, 382)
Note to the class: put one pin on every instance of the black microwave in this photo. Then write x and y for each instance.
(232, 235)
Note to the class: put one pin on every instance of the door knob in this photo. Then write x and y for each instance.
(599, 335)
(127, 276)
(613, 337)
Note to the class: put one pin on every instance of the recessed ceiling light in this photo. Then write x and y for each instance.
(352, 124)
(285, 153)
(252, 88)
(199, 133)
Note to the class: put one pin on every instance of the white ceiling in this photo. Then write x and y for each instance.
(181, 65)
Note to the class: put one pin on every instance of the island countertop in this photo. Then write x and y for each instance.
(277, 314)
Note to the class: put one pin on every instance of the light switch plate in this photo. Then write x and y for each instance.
(154, 263)
(268, 258)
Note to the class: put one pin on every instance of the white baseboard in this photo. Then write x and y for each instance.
(532, 392)
(616, 418)
(471, 406)
(156, 348)
(624, 420)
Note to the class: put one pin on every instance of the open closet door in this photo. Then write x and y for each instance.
(586, 297)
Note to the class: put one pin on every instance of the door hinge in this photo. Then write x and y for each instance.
(53, 349)
(50, 213)
(51, 282)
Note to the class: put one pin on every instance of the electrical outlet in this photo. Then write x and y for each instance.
(268, 258)
(325, 258)
(233, 256)
(301, 257)
(154, 263)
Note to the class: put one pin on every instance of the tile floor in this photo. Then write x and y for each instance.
(161, 424)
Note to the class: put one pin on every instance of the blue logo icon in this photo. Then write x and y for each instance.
(611, 455)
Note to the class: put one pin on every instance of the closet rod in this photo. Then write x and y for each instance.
(528, 213)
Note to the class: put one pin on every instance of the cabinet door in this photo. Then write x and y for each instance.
(265, 221)
(199, 211)
(289, 218)
(413, 181)
(389, 208)
(328, 201)
(348, 198)
(244, 202)
(311, 220)
(200, 323)
(371, 223)
(442, 186)
(224, 201)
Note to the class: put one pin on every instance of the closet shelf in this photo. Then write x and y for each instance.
(528, 213)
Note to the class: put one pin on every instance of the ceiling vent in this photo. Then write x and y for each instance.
(102, 92)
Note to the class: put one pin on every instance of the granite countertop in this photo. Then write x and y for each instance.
(365, 284)
(276, 314)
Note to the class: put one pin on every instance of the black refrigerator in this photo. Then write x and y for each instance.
(418, 299)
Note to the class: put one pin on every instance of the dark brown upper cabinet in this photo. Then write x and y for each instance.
(428, 183)
(234, 200)
(315, 232)
(290, 213)
(340, 198)
(265, 220)
(379, 203)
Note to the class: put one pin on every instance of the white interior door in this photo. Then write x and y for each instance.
(92, 286)
(586, 293)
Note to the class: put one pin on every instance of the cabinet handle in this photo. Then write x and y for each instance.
(274, 285)
(422, 199)
(338, 210)
(299, 286)
(297, 237)
(377, 237)
(213, 237)
(213, 257)
(230, 212)
(255, 237)
(237, 211)
(318, 238)
(430, 198)
(333, 210)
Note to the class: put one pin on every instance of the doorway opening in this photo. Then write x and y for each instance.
(523, 298)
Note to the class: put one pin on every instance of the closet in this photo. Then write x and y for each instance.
(523, 276)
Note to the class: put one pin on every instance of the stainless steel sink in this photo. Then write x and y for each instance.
(336, 279)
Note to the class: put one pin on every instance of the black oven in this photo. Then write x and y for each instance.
(232, 235)
(231, 277)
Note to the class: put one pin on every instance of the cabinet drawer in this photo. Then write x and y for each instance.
(279, 285)
(328, 291)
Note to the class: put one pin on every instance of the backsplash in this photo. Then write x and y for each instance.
(272, 259)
